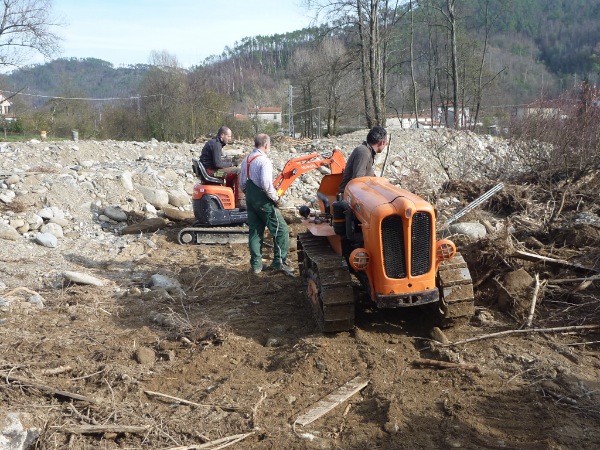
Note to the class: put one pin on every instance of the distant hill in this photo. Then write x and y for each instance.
(86, 77)
(536, 45)
(566, 32)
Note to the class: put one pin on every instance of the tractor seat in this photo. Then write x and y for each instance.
(200, 171)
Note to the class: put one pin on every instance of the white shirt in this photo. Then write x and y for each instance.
(260, 172)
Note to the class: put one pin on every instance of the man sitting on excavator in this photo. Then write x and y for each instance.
(213, 161)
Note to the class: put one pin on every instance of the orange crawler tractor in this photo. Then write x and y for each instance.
(385, 237)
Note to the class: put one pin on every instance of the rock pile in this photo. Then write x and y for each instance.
(81, 196)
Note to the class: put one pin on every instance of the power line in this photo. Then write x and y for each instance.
(138, 97)
(85, 98)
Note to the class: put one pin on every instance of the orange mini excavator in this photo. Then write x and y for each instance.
(218, 221)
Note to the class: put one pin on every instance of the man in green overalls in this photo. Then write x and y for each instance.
(262, 201)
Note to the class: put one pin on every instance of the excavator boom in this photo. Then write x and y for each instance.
(299, 166)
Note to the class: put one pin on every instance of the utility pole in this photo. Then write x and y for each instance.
(291, 115)
(319, 122)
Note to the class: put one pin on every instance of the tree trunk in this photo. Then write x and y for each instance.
(432, 63)
(364, 65)
(454, 55)
(374, 60)
(479, 92)
(412, 65)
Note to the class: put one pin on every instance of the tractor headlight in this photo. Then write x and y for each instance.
(359, 259)
(444, 250)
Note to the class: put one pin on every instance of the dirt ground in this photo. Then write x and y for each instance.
(233, 355)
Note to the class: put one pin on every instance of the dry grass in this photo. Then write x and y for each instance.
(16, 206)
(44, 169)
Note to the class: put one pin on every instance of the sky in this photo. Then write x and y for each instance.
(127, 31)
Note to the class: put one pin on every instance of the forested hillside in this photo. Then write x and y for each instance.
(87, 77)
(503, 53)
(566, 32)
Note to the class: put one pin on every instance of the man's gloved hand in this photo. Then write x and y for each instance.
(236, 160)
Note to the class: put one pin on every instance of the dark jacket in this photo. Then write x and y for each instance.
(359, 164)
(212, 155)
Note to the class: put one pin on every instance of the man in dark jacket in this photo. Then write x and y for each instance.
(212, 152)
(213, 161)
(361, 160)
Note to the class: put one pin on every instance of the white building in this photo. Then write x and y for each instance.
(5, 108)
(408, 121)
(270, 114)
(443, 118)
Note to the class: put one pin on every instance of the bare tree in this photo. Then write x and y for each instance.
(450, 16)
(163, 59)
(412, 63)
(164, 89)
(336, 79)
(26, 29)
(208, 107)
(373, 21)
(433, 62)
(304, 76)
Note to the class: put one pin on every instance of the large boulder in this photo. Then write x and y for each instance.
(8, 233)
(473, 230)
(178, 198)
(159, 198)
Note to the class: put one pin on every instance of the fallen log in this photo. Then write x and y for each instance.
(221, 443)
(574, 280)
(445, 365)
(48, 389)
(94, 429)
(533, 300)
(334, 399)
(56, 370)
(533, 257)
(187, 402)
(524, 331)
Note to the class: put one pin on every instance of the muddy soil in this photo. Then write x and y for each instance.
(233, 359)
(238, 354)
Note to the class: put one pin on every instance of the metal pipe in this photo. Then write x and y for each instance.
(479, 200)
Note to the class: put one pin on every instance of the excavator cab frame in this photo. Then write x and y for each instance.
(201, 173)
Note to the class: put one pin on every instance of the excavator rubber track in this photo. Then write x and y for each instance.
(213, 235)
(327, 283)
(457, 301)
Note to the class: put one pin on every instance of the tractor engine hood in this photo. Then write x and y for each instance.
(367, 194)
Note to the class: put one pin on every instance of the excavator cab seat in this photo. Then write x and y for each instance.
(200, 171)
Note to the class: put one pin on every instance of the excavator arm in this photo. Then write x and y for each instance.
(302, 164)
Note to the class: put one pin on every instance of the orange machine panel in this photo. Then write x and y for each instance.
(375, 199)
(224, 193)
